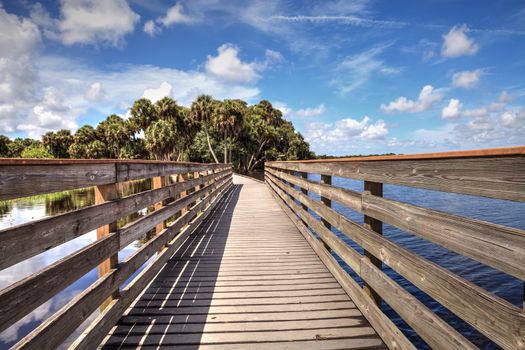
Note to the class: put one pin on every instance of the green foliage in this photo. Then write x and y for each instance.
(58, 143)
(246, 136)
(4, 146)
(36, 151)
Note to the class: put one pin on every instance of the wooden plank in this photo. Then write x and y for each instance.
(140, 227)
(159, 182)
(385, 328)
(26, 240)
(494, 177)
(28, 180)
(498, 246)
(105, 321)
(134, 171)
(433, 330)
(496, 318)
(54, 330)
(22, 297)
(106, 193)
(376, 226)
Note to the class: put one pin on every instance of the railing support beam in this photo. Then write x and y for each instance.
(104, 193)
(327, 180)
(376, 189)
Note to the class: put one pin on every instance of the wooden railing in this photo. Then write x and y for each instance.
(496, 173)
(186, 201)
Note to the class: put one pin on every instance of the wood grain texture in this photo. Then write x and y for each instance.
(20, 298)
(385, 328)
(496, 318)
(498, 246)
(26, 240)
(237, 247)
(55, 329)
(494, 177)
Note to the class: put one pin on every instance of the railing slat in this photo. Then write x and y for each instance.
(20, 298)
(498, 246)
(384, 327)
(54, 330)
(24, 241)
(496, 318)
(495, 177)
(97, 331)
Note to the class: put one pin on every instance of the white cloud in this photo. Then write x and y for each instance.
(175, 15)
(427, 97)
(229, 67)
(165, 89)
(456, 43)
(95, 92)
(356, 70)
(88, 22)
(344, 134)
(18, 75)
(310, 112)
(467, 79)
(514, 119)
(150, 28)
(452, 111)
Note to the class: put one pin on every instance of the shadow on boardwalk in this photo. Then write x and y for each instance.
(179, 298)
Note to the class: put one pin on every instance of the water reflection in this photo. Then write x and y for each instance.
(20, 211)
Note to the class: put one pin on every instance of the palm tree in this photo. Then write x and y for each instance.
(228, 117)
(161, 139)
(201, 111)
(143, 113)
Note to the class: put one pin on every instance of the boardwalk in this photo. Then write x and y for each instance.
(246, 278)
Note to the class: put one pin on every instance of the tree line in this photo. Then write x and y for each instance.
(229, 131)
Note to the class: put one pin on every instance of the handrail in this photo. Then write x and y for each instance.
(185, 202)
(500, 247)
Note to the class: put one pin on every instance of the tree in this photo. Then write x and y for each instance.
(17, 146)
(143, 113)
(160, 139)
(57, 143)
(201, 112)
(228, 118)
(115, 132)
(4, 146)
(36, 151)
(82, 146)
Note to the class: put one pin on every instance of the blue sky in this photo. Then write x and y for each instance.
(355, 77)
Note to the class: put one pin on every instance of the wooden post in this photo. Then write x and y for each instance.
(304, 190)
(376, 189)
(158, 182)
(103, 194)
(327, 180)
(182, 194)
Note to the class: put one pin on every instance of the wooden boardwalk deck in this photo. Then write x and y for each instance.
(246, 278)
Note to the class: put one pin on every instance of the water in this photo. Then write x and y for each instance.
(501, 212)
(20, 211)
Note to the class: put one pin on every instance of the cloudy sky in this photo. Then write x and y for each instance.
(355, 77)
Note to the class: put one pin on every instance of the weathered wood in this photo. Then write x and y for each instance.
(134, 171)
(375, 225)
(430, 327)
(28, 180)
(26, 240)
(105, 321)
(499, 320)
(384, 327)
(495, 177)
(326, 180)
(183, 193)
(498, 246)
(106, 193)
(54, 330)
(159, 182)
(24, 296)
(140, 227)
